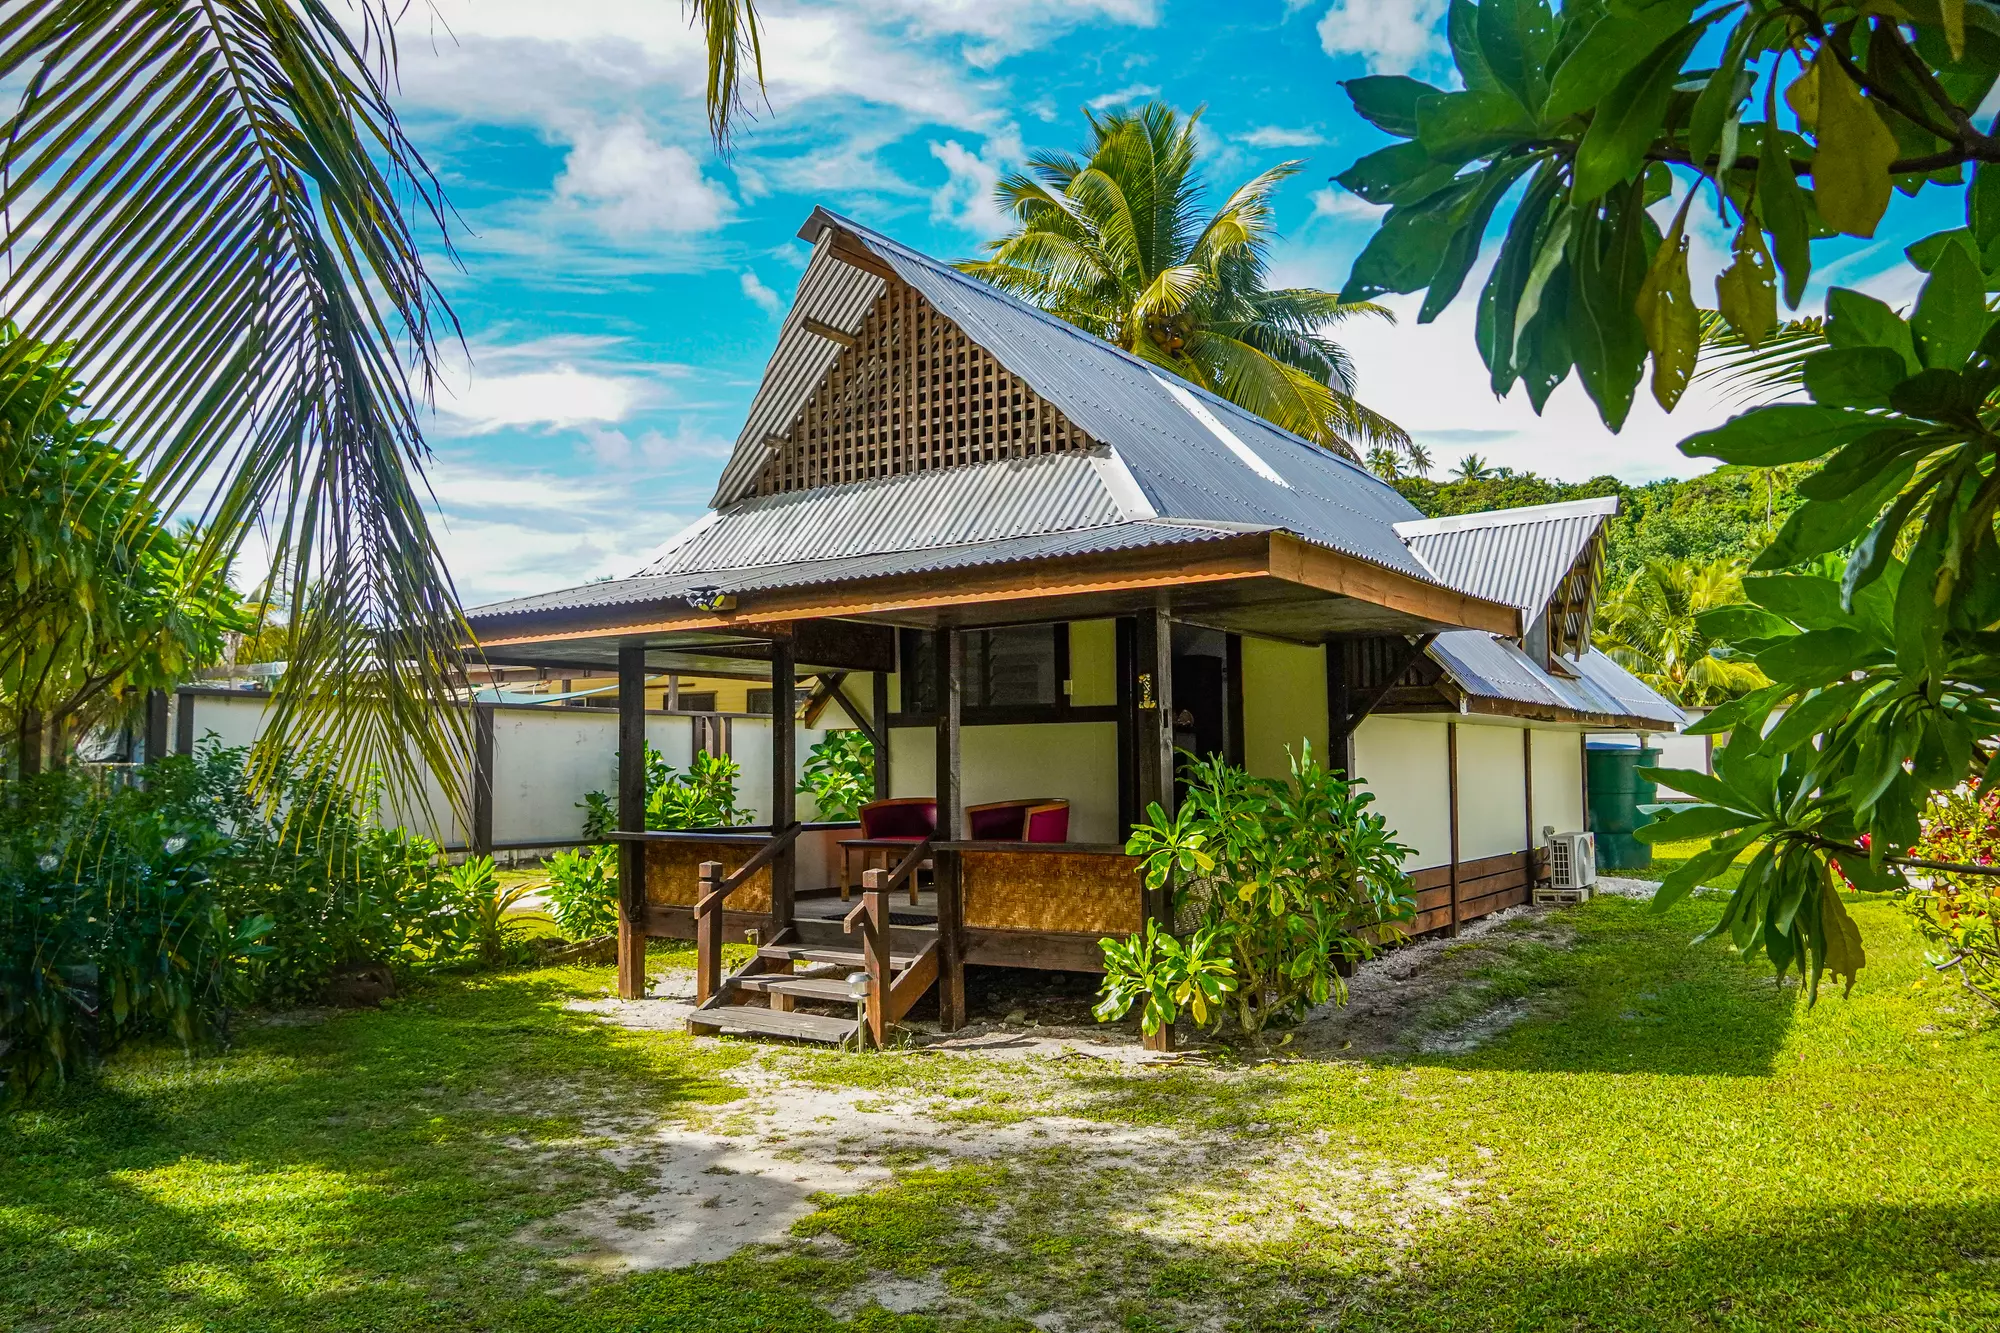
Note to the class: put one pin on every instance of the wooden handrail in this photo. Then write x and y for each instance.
(734, 880)
(908, 865)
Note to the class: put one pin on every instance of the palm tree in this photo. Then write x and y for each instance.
(1115, 243)
(1419, 457)
(1385, 462)
(213, 203)
(1649, 627)
(1474, 468)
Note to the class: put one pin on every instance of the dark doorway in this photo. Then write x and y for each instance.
(1201, 693)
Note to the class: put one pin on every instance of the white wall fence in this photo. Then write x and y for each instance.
(545, 759)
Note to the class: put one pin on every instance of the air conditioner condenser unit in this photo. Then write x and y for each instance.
(1572, 868)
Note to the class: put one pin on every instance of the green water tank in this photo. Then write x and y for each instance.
(1616, 793)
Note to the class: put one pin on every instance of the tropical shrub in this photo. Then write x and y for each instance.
(583, 892)
(839, 774)
(1959, 912)
(1278, 886)
(702, 797)
(111, 924)
(485, 909)
(1651, 625)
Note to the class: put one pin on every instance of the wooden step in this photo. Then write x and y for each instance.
(849, 958)
(772, 1023)
(828, 934)
(827, 990)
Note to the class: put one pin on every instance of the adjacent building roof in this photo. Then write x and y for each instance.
(1486, 666)
(1517, 556)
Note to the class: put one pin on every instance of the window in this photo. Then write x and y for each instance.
(1018, 667)
(703, 701)
(755, 701)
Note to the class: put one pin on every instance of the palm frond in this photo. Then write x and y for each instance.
(212, 200)
(1759, 374)
(730, 32)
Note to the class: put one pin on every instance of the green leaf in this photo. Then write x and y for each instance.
(1667, 314)
(1855, 319)
(1982, 206)
(1628, 120)
(1810, 716)
(1808, 601)
(1516, 37)
(1500, 302)
(1402, 173)
(1741, 622)
(1852, 376)
(1781, 433)
(1703, 865)
(1854, 149)
(1457, 127)
(1404, 251)
(1843, 956)
(1721, 98)
(1701, 786)
(1819, 526)
(1782, 206)
(1818, 655)
(1463, 248)
(1462, 31)
(1389, 101)
(1941, 395)
(1607, 255)
(1701, 821)
(1747, 291)
(1607, 52)
(1950, 317)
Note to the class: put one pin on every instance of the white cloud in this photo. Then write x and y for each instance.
(1330, 201)
(562, 396)
(966, 197)
(1393, 36)
(763, 297)
(688, 442)
(631, 186)
(1277, 136)
(1123, 96)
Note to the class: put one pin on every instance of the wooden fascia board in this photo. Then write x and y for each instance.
(1114, 571)
(1302, 562)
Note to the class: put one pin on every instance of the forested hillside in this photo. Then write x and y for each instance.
(1721, 514)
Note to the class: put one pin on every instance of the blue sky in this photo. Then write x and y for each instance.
(621, 285)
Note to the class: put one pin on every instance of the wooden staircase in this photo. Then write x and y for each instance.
(866, 966)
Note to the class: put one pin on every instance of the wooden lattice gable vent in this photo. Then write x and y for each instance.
(1573, 605)
(910, 392)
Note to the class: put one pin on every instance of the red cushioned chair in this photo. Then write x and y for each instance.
(1046, 822)
(886, 825)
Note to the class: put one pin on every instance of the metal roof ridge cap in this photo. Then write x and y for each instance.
(1605, 505)
(1114, 474)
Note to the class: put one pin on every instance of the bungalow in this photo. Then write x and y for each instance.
(1032, 566)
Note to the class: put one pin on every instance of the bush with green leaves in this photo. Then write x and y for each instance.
(583, 892)
(839, 774)
(485, 909)
(702, 797)
(112, 924)
(1887, 673)
(1276, 886)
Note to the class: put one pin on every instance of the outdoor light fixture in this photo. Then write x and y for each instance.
(711, 599)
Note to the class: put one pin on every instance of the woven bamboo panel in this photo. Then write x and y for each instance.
(672, 868)
(1058, 891)
(913, 394)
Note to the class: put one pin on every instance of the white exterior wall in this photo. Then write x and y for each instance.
(1558, 781)
(1402, 761)
(1077, 761)
(1492, 791)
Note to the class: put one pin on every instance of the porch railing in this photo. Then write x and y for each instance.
(712, 889)
(889, 995)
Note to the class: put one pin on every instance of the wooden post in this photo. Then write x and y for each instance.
(875, 952)
(183, 722)
(632, 819)
(784, 778)
(28, 742)
(1154, 690)
(1451, 784)
(950, 659)
(1528, 802)
(880, 702)
(156, 726)
(1232, 710)
(707, 933)
(482, 780)
(1339, 706)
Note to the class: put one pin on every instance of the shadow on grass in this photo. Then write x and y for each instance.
(376, 1165)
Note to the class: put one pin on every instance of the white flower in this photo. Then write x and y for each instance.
(175, 844)
(49, 861)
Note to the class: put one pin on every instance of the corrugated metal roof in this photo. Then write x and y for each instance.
(982, 502)
(1184, 468)
(648, 589)
(1516, 556)
(1486, 666)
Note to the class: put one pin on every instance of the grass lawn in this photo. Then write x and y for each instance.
(1665, 1139)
